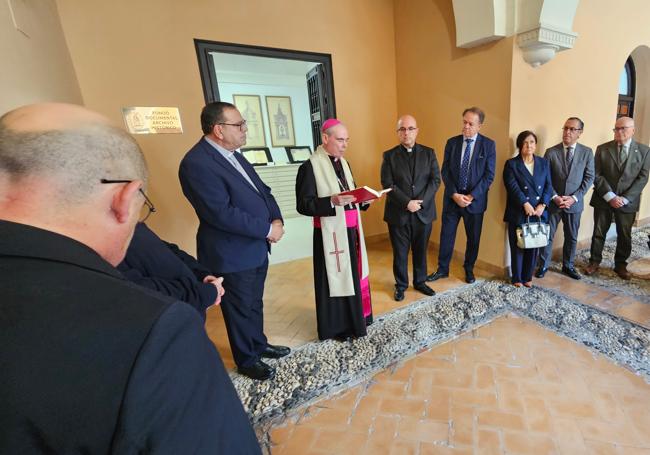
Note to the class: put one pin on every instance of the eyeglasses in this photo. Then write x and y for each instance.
(620, 129)
(147, 208)
(409, 129)
(571, 130)
(241, 125)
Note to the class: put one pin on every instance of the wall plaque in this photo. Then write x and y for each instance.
(152, 120)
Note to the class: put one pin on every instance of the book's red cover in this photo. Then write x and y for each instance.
(361, 194)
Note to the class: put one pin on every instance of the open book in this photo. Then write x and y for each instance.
(365, 193)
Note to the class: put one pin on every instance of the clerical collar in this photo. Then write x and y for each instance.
(408, 150)
(333, 158)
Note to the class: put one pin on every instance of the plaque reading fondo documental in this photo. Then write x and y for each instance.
(152, 120)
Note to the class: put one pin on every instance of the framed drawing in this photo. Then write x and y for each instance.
(250, 107)
(298, 154)
(257, 156)
(278, 109)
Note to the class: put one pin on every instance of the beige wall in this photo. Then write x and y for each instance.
(582, 81)
(37, 67)
(142, 53)
(436, 81)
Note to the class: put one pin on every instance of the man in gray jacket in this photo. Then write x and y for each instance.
(622, 168)
(572, 173)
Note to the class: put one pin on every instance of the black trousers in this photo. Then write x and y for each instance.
(242, 308)
(522, 262)
(571, 225)
(473, 222)
(414, 236)
(602, 221)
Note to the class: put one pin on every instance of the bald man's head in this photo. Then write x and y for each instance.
(67, 144)
(407, 130)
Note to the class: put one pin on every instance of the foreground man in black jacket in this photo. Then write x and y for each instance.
(92, 363)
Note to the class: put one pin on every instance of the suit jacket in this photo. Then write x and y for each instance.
(574, 181)
(422, 184)
(481, 171)
(523, 187)
(163, 267)
(92, 363)
(627, 180)
(234, 218)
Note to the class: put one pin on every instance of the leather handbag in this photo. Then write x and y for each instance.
(532, 235)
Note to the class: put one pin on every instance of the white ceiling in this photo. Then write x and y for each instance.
(227, 63)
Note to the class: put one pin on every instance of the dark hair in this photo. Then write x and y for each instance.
(212, 114)
(476, 110)
(521, 137)
(582, 124)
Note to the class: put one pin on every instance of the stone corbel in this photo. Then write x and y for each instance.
(540, 44)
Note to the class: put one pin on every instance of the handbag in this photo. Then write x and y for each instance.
(532, 235)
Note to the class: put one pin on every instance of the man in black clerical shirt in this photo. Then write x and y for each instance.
(411, 171)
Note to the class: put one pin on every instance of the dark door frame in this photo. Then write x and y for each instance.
(209, 77)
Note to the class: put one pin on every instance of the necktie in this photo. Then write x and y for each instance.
(464, 166)
(623, 154)
(569, 157)
(233, 160)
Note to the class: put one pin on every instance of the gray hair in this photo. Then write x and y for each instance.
(78, 158)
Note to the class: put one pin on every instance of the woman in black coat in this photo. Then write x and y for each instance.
(528, 182)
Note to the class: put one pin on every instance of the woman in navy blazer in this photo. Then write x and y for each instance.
(528, 182)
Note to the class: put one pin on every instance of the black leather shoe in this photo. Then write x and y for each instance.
(399, 294)
(424, 289)
(542, 271)
(436, 276)
(571, 272)
(469, 276)
(259, 370)
(275, 352)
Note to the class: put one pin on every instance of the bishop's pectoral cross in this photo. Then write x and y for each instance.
(337, 252)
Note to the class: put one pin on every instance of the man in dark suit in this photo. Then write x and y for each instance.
(92, 363)
(164, 267)
(572, 173)
(622, 168)
(468, 171)
(411, 170)
(239, 219)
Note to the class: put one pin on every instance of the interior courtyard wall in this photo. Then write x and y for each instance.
(36, 66)
(583, 82)
(436, 81)
(142, 54)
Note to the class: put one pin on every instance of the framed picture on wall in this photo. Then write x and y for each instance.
(298, 154)
(257, 156)
(250, 107)
(280, 115)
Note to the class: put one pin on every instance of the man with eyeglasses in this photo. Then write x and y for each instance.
(412, 171)
(238, 221)
(468, 172)
(572, 173)
(622, 168)
(91, 362)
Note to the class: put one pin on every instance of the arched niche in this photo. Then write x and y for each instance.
(641, 58)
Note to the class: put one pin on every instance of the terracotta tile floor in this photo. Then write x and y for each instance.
(508, 387)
